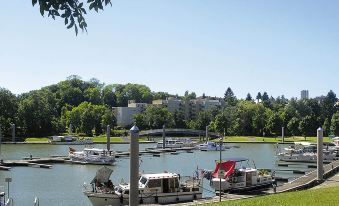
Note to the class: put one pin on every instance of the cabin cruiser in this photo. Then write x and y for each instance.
(235, 174)
(159, 188)
(304, 152)
(211, 146)
(92, 156)
(175, 143)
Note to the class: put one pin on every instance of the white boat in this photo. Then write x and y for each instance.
(175, 143)
(211, 146)
(235, 176)
(304, 152)
(92, 156)
(160, 188)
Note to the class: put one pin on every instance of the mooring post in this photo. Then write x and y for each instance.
(134, 167)
(163, 137)
(320, 167)
(206, 133)
(13, 132)
(108, 135)
(283, 134)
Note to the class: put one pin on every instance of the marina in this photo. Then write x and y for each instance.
(71, 177)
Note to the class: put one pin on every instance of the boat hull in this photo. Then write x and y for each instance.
(99, 199)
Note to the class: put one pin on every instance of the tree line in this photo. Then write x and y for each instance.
(87, 106)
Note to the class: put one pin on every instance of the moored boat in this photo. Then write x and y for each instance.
(235, 174)
(92, 156)
(304, 152)
(175, 143)
(211, 146)
(159, 188)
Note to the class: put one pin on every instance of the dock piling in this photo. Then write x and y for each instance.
(320, 167)
(134, 167)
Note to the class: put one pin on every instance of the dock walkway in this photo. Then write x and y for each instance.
(310, 179)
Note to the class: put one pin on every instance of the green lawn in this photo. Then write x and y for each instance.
(270, 139)
(104, 139)
(313, 197)
(36, 139)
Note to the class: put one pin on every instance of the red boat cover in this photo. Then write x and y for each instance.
(227, 166)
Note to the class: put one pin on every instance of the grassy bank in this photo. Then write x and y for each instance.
(36, 139)
(324, 196)
(271, 139)
(101, 139)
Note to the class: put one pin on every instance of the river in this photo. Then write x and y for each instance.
(63, 184)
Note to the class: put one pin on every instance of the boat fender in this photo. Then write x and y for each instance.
(141, 201)
(177, 199)
(195, 196)
(156, 199)
(121, 199)
(179, 175)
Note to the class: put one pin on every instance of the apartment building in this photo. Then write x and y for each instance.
(124, 115)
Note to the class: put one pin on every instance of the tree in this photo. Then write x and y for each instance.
(8, 110)
(327, 127)
(158, 116)
(37, 113)
(249, 97)
(221, 123)
(230, 98)
(259, 97)
(108, 96)
(335, 123)
(307, 126)
(274, 124)
(179, 119)
(266, 100)
(93, 95)
(293, 126)
(72, 11)
(203, 120)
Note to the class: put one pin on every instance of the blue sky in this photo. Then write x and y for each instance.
(204, 46)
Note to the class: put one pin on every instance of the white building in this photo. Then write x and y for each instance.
(304, 94)
(124, 115)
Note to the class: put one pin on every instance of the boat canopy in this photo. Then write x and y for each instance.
(102, 175)
(228, 168)
(236, 159)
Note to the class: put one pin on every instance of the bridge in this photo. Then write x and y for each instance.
(183, 132)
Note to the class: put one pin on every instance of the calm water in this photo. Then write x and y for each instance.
(62, 185)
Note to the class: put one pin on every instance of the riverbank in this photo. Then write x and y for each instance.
(314, 197)
(227, 139)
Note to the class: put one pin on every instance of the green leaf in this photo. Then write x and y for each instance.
(70, 25)
(80, 5)
(76, 30)
(34, 2)
(91, 6)
(42, 10)
(66, 21)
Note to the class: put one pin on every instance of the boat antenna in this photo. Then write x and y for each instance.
(254, 164)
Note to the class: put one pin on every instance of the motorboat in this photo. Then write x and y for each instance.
(92, 156)
(69, 140)
(175, 143)
(159, 188)
(236, 175)
(304, 152)
(211, 146)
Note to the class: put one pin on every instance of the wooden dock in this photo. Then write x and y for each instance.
(310, 179)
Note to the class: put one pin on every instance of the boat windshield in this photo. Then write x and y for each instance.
(143, 180)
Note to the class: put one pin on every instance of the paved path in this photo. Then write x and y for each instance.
(331, 182)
